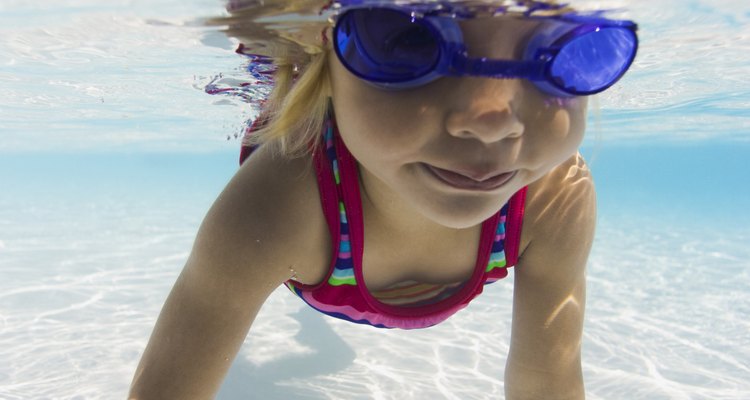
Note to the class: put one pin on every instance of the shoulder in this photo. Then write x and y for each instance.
(264, 222)
(550, 281)
(560, 216)
(267, 220)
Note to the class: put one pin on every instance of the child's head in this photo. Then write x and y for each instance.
(501, 134)
(305, 48)
(418, 90)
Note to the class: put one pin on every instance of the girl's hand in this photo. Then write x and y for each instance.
(549, 295)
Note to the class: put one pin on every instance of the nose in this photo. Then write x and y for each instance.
(484, 110)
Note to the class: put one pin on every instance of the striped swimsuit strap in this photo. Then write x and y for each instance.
(407, 305)
(404, 294)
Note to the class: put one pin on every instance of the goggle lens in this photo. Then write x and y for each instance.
(385, 45)
(594, 61)
(390, 47)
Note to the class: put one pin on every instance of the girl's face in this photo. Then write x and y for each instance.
(456, 150)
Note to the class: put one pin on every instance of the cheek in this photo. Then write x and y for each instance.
(356, 104)
(380, 120)
(568, 121)
(556, 134)
(576, 114)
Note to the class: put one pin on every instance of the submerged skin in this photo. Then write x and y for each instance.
(416, 226)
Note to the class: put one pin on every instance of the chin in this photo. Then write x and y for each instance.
(462, 214)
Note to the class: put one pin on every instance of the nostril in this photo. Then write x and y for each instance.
(517, 131)
(488, 127)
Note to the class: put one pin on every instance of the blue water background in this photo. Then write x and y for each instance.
(110, 155)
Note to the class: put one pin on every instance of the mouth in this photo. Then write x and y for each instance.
(462, 181)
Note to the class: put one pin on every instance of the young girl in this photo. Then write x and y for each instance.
(419, 155)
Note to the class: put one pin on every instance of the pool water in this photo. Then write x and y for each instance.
(111, 152)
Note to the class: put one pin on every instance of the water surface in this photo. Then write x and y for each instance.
(111, 153)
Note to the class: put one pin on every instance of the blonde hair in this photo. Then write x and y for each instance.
(296, 108)
(291, 33)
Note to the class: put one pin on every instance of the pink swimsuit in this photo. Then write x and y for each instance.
(407, 305)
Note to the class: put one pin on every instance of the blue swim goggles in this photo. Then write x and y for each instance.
(397, 48)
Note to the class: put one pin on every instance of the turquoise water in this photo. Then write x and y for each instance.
(110, 154)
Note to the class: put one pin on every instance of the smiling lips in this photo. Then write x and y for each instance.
(462, 181)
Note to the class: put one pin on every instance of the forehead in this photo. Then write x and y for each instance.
(473, 8)
(483, 35)
(500, 23)
(496, 37)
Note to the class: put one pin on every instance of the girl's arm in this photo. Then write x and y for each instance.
(549, 296)
(241, 254)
